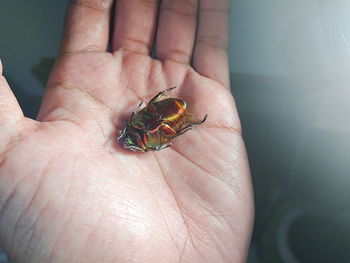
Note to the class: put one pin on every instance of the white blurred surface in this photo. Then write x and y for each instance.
(298, 52)
(305, 39)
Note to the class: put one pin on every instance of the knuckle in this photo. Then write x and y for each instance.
(137, 45)
(213, 41)
(216, 6)
(176, 55)
(186, 8)
(149, 1)
(94, 4)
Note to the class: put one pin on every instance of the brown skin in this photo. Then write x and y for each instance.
(69, 193)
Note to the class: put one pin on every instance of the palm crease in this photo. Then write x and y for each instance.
(70, 193)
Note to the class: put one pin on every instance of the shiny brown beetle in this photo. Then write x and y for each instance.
(153, 127)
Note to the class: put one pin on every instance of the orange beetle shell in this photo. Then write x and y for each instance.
(154, 126)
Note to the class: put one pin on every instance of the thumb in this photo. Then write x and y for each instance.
(10, 111)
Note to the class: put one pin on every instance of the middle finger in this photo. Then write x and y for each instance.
(176, 30)
(135, 23)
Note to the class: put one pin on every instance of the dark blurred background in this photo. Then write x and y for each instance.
(290, 72)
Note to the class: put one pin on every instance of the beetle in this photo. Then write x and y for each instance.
(153, 127)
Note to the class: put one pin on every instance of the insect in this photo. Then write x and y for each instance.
(153, 127)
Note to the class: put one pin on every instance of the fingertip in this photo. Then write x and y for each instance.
(87, 26)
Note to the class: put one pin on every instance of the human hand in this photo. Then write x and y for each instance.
(70, 193)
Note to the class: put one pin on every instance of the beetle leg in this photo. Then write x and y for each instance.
(135, 111)
(137, 108)
(190, 126)
(164, 146)
(137, 149)
(184, 129)
(167, 131)
(121, 133)
(160, 94)
(201, 121)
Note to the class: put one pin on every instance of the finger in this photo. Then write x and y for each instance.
(10, 111)
(176, 30)
(87, 26)
(211, 49)
(135, 25)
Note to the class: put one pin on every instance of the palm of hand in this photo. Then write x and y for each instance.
(74, 189)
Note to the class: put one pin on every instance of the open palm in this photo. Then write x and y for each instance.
(70, 193)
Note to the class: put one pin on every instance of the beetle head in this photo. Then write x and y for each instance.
(131, 139)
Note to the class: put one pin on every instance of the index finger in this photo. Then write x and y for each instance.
(211, 48)
(87, 26)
